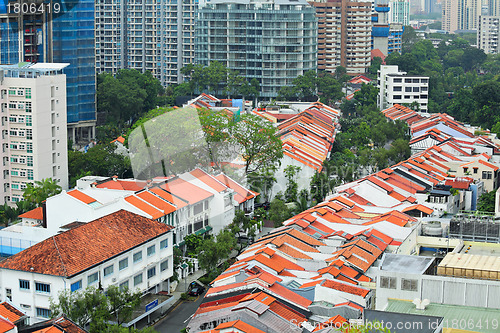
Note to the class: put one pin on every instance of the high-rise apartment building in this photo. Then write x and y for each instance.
(399, 11)
(273, 41)
(65, 37)
(145, 35)
(493, 7)
(460, 14)
(487, 33)
(33, 123)
(344, 31)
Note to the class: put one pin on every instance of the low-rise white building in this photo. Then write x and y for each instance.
(397, 87)
(121, 249)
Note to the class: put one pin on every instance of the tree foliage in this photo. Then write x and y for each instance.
(95, 307)
(127, 95)
(39, 191)
(309, 86)
(486, 202)
(98, 160)
(278, 211)
(213, 250)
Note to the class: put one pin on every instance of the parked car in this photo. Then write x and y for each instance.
(196, 291)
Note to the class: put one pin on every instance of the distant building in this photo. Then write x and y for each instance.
(386, 37)
(156, 37)
(460, 15)
(487, 33)
(397, 87)
(121, 249)
(273, 42)
(400, 11)
(33, 103)
(343, 35)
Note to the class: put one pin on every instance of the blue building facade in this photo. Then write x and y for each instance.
(73, 40)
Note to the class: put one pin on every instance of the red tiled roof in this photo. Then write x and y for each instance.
(60, 324)
(80, 248)
(459, 183)
(422, 208)
(335, 322)
(347, 288)
(35, 214)
(120, 139)
(125, 185)
(158, 203)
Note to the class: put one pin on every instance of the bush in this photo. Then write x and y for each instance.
(205, 280)
(184, 296)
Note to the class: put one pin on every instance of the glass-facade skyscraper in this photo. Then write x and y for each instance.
(273, 41)
(64, 38)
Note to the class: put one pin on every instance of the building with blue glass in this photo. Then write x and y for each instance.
(67, 37)
(386, 37)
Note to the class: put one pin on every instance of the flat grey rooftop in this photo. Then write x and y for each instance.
(402, 322)
(405, 264)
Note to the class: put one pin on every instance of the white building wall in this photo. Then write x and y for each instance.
(29, 300)
(397, 87)
(34, 138)
(303, 177)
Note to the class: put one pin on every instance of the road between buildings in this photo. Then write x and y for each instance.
(179, 317)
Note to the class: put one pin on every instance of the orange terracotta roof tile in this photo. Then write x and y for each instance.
(293, 253)
(208, 179)
(10, 313)
(158, 203)
(6, 326)
(185, 190)
(335, 322)
(286, 273)
(264, 276)
(173, 199)
(238, 324)
(347, 288)
(144, 206)
(59, 325)
(242, 194)
(35, 214)
(81, 196)
(422, 208)
(286, 313)
(290, 296)
(80, 248)
(305, 238)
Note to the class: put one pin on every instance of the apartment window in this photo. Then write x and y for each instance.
(137, 279)
(164, 266)
(124, 285)
(8, 294)
(387, 282)
(151, 250)
(137, 256)
(398, 80)
(410, 285)
(151, 272)
(397, 97)
(92, 278)
(42, 287)
(487, 175)
(24, 284)
(475, 170)
(466, 169)
(122, 264)
(407, 89)
(108, 270)
(76, 286)
(164, 244)
(43, 313)
(398, 88)
(407, 80)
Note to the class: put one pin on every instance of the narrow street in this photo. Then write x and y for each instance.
(179, 317)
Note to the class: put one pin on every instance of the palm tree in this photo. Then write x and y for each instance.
(41, 191)
(8, 214)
